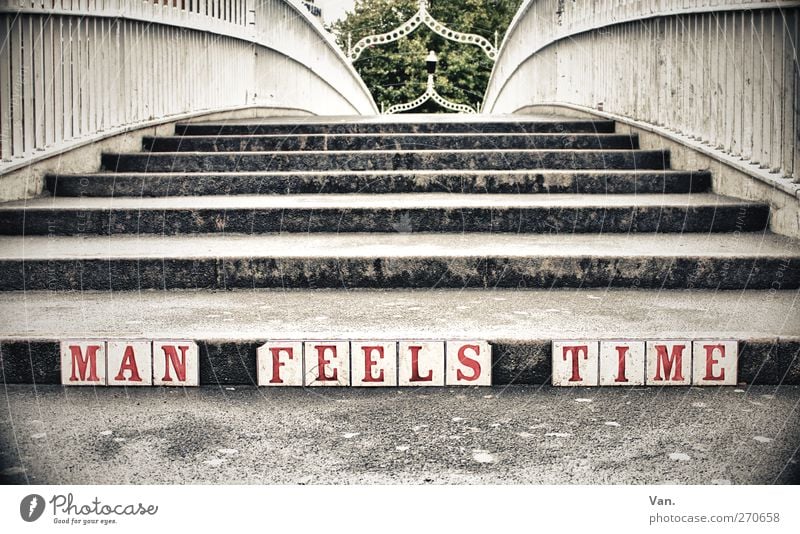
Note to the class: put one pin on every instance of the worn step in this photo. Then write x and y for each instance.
(378, 182)
(386, 160)
(217, 261)
(350, 126)
(520, 325)
(241, 143)
(405, 213)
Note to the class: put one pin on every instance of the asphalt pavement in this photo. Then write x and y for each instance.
(511, 435)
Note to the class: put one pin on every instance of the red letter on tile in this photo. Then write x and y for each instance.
(129, 364)
(415, 376)
(666, 362)
(710, 362)
(179, 364)
(576, 352)
(474, 365)
(322, 362)
(369, 362)
(277, 363)
(622, 352)
(80, 362)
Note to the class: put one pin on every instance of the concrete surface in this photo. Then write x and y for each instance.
(401, 245)
(436, 436)
(499, 314)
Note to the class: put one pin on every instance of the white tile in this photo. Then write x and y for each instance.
(420, 363)
(576, 363)
(176, 363)
(669, 362)
(83, 362)
(373, 363)
(468, 363)
(621, 363)
(130, 363)
(327, 363)
(280, 363)
(715, 362)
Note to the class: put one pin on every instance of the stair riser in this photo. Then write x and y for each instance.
(320, 161)
(421, 272)
(774, 362)
(400, 127)
(187, 185)
(420, 142)
(516, 220)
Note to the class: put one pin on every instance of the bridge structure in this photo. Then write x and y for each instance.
(214, 173)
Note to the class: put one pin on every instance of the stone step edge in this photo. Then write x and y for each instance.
(543, 181)
(707, 217)
(389, 173)
(391, 135)
(603, 125)
(224, 362)
(373, 153)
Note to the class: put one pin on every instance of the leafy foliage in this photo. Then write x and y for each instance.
(395, 72)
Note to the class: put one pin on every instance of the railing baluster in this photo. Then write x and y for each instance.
(6, 104)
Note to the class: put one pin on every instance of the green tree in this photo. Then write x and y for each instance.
(395, 72)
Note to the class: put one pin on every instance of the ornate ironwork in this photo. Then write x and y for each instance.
(430, 94)
(422, 16)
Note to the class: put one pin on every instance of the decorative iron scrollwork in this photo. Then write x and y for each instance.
(422, 16)
(429, 94)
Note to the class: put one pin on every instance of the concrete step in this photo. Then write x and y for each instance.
(383, 126)
(386, 160)
(241, 143)
(217, 261)
(404, 213)
(378, 182)
(520, 325)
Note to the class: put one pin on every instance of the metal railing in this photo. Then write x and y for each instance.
(76, 70)
(721, 72)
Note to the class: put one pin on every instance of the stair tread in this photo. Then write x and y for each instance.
(392, 135)
(394, 314)
(405, 118)
(399, 245)
(394, 201)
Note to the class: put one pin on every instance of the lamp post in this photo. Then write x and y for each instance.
(430, 62)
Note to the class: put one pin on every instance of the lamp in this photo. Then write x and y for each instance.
(431, 61)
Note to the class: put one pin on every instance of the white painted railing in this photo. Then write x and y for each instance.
(75, 70)
(721, 72)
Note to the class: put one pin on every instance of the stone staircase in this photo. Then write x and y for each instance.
(514, 230)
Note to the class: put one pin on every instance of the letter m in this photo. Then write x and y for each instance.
(80, 362)
(667, 362)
